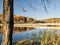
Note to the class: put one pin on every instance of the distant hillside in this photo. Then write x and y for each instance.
(21, 19)
(52, 20)
(39, 21)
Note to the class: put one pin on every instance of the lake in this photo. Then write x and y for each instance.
(18, 36)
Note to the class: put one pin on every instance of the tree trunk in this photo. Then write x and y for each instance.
(7, 21)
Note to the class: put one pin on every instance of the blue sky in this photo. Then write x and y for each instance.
(37, 11)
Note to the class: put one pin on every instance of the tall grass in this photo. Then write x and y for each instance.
(47, 37)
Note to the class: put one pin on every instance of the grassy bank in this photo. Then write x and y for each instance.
(48, 37)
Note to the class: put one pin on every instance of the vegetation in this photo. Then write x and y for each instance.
(52, 20)
(8, 29)
(44, 38)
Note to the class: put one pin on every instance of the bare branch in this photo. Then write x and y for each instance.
(29, 4)
(44, 5)
(21, 7)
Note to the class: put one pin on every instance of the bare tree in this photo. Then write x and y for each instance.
(7, 21)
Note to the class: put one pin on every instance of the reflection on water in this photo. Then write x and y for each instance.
(18, 32)
(21, 35)
(39, 37)
(21, 29)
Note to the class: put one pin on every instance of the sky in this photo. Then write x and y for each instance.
(36, 9)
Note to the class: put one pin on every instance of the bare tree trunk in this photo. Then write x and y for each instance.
(7, 21)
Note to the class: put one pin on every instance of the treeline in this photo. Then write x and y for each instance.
(20, 19)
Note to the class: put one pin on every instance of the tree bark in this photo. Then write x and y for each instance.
(8, 22)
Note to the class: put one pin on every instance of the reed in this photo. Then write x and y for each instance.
(47, 37)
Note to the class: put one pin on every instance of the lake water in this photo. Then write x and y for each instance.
(21, 35)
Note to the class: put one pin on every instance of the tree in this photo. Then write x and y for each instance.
(7, 21)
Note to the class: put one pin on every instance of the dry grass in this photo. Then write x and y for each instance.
(48, 37)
